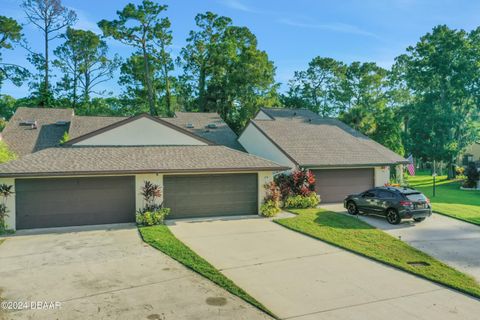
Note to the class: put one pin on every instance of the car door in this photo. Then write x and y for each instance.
(384, 200)
(366, 201)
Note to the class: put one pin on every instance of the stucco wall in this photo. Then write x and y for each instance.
(256, 143)
(263, 178)
(10, 220)
(382, 176)
(139, 182)
(142, 131)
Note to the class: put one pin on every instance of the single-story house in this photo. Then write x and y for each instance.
(96, 176)
(343, 160)
(472, 154)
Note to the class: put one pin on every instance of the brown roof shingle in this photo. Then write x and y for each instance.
(23, 140)
(61, 161)
(313, 141)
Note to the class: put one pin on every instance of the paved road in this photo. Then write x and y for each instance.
(108, 274)
(452, 241)
(298, 277)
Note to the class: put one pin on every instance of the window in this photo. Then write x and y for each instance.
(415, 197)
(370, 193)
(385, 194)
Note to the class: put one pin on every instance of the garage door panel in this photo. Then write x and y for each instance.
(60, 202)
(334, 184)
(211, 195)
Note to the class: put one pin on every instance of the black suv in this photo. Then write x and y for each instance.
(394, 203)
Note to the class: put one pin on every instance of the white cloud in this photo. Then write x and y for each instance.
(336, 27)
(237, 5)
(83, 21)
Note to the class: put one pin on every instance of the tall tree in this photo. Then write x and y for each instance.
(50, 16)
(142, 27)
(443, 73)
(10, 33)
(225, 71)
(318, 88)
(83, 58)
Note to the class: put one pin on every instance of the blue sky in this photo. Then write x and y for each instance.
(291, 32)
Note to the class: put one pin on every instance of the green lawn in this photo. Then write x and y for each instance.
(357, 236)
(162, 239)
(449, 199)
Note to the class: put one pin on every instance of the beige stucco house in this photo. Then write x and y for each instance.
(96, 176)
(343, 160)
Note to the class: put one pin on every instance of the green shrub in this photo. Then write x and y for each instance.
(302, 202)
(150, 218)
(270, 208)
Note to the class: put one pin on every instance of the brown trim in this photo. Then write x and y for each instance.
(274, 143)
(346, 166)
(263, 110)
(139, 171)
(131, 119)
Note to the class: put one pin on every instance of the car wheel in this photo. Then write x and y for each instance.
(393, 217)
(352, 208)
(418, 219)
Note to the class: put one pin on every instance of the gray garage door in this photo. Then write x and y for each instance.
(211, 195)
(334, 184)
(43, 203)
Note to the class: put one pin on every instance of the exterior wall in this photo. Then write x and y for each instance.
(139, 181)
(10, 220)
(142, 131)
(262, 116)
(263, 177)
(256, 143)
(382, 176)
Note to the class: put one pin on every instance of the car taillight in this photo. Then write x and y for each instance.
(406, 203)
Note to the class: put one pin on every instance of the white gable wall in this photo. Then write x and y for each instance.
(256, 143)
(142, 131)
(262, 116)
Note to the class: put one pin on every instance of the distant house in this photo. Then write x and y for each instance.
(343, 160)
(472, 154)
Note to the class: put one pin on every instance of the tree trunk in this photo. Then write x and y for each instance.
(148, 81)
(201, 90)
(44, 98)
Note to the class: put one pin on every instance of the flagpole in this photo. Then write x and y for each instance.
(434, 178)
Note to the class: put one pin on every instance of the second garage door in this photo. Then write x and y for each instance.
(211, 195)
(60, 202)
(334, 184)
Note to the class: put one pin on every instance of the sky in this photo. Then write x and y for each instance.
(291, 32)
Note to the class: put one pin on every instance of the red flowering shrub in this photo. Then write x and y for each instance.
(298, 182)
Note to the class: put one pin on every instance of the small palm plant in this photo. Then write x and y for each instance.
(5, 192)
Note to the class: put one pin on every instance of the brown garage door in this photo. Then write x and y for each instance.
(211, 195)
(334, 184)
(43, 203)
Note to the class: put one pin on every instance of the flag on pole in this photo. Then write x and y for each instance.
(410, 166)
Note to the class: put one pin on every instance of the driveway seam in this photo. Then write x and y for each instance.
(364, 303)
(280, 260)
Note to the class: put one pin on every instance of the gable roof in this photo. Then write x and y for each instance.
(65, 161)
(312, 141)
(23, 140)
(131, 119)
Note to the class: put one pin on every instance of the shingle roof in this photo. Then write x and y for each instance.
(310, 140)
(61, 161)
(22, 139)
(222, 135)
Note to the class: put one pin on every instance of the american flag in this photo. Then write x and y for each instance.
(410, 166)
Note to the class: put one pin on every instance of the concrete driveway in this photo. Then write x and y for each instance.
(298, 277)
(450, 240)
(98, 273)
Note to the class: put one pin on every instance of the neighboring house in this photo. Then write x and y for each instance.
(343, 160)
(472, 154)
(96, 177)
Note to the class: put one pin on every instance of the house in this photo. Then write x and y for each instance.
(97, 175)
(472, 154)
(343, 160)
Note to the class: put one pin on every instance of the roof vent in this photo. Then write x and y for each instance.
(190, 125)
(31, 123)
(212, 125)
(61, 123)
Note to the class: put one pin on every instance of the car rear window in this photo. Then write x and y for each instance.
(415, 196)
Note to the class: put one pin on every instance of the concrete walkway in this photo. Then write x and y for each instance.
(452, 241)
(100, 273)
(298, 277)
